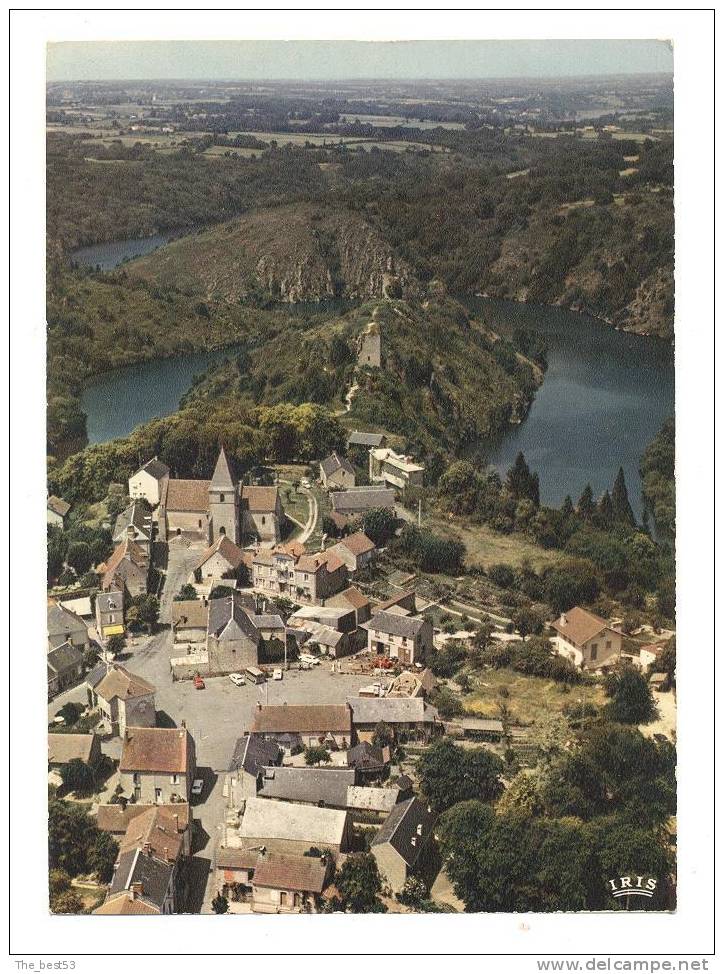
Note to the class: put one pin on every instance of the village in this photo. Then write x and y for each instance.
(263, 724)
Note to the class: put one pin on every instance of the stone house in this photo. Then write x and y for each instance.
(157, 764)
(127, 569)
(303, 578)
(110, 607)
(336, 471)
(65, 626)
(354, 599)
(143, 876)
(291, 829)
(251, 755)
(262, 513)
(136, 524)
(308, 725)
(410, 718)
(222, 560)
(357, 551)
(146, 483)
(289, 884)
(394, 470)
(324, 787)
(124, 699)
(63, 748)
(357, 500)
(175, 821)
(406, 639)
(357, 439)
(57, 510)
(65, 668)
(190, 620)
(232, 640)
(586, 639)
(403, 843)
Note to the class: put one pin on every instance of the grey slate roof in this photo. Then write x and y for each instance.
(156, 468)
(252, 753)
(335, 462)
(64, 657)
(268, 622)
(62, 621)
(365, 756)
(223, 476)
(138, 514)
(394, 624)
(154, 875)
(357, 438)
(107, 601)
(94, 677)
(407, 829)
(229, 620)
(391, 710)
(362, 499)
(326, 786)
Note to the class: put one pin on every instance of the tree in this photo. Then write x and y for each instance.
(586, 507)
(667, 660)
(359, 883)
(379, 525)
(187, 593)
(220, 904)
(116, 644)
(570, 583)
(71, 834)
(70, 712)
(567, 509)
(77, 776)
(102, 856)
(630, 696)
(145, 609)
(521, 483)
(527, 622)
(57, 549)
(622, 510)
(58, 881)
(383, 735)
(66, 902)
(79, 557)
(221, 592)
(449, 774)
(604, 511)
(316, 755)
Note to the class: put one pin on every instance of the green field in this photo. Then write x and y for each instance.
(486, 547)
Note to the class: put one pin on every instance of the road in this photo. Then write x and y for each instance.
(313, 515)
(182, 559)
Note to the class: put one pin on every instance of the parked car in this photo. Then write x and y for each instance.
(278, 675)
(237, 679)
(199, 683)
(197, 787)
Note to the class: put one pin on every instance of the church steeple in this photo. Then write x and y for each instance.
(222, 473)
(223, 502)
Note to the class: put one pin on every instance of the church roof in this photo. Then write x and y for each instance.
(222, 472)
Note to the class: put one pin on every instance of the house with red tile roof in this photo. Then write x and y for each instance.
(586, 639)
(157, 764)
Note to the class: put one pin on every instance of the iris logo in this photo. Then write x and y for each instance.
(632, 886)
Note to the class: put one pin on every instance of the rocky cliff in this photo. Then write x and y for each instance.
(291, 254)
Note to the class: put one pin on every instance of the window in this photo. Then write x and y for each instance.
(174, 779)
(221, 498)
(136, 778)
(199, 522)
(282, 899)
(158, 794)
(594, 652)
(608, 644)
(263, 520)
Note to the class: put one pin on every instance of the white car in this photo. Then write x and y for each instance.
(237, 679)
(198, 786)
(278, 675)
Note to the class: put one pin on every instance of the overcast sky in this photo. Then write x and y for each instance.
(325, 60)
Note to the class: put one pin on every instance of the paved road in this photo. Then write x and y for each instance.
(181, 562)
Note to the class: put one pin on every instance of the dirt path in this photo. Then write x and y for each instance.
(313, 515)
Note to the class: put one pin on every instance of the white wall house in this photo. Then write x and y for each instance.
(145, 483)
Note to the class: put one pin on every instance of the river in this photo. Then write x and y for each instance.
(605, 395)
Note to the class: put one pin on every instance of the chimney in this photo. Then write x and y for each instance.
(165, 854)
(564, 621)
(258, 705)
(147, 848)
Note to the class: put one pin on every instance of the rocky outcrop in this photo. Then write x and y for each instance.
(291, 254)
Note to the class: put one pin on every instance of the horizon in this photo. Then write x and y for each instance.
(351, 60)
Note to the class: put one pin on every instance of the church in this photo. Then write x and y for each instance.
(206, 510)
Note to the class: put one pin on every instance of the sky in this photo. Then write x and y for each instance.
(328, 60)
